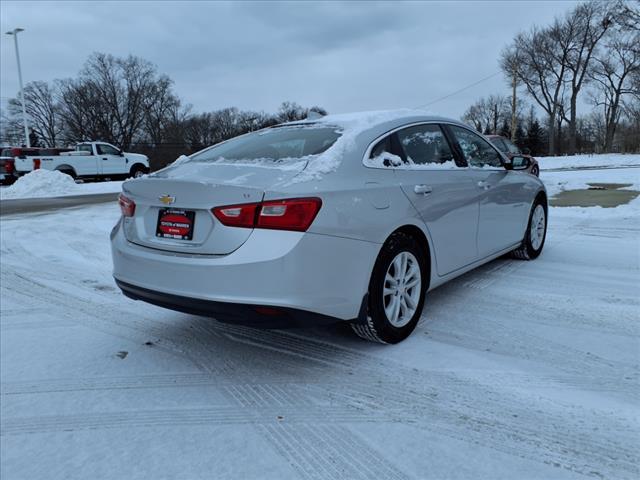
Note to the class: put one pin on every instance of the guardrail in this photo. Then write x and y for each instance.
(29, 205)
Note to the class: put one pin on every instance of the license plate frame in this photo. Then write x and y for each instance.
(175, 223)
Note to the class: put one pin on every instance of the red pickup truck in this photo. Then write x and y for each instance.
(8, 162)
(8, 156)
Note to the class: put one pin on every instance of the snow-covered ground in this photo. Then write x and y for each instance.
(556, 182)
(51, 183)
(518, 370)
(596, 160)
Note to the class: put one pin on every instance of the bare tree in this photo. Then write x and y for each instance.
(488, 114)
(291, 111)
(43, 111)
(542, 69)
(614, 75)
(82, 115)
(113, 98)
(627, 14)
(162, 110)
(578, 35)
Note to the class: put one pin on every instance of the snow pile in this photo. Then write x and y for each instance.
(591, 160)
(51, 183)
(41, 183)
(180, 160)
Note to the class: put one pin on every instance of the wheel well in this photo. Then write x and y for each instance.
(138, 166)
(65, 168)
(542, 196)
(421, 238)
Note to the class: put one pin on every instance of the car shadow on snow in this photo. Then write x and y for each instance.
(208, 340)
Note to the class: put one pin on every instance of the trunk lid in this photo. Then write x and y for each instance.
(198, 187)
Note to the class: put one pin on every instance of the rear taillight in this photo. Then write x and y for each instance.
(127, 206)
(9, 166)
(237, 215)
(36, 163)
(291, 214)
(295, 214)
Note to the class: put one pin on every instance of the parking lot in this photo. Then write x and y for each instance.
(515, 367)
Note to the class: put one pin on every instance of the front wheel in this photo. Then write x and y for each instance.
(396, 291)
(535, 171)
(536, 234)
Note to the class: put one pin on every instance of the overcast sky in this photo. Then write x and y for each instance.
(342, 56)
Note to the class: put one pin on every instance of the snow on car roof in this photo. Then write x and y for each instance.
(353, 125)
(364, 120)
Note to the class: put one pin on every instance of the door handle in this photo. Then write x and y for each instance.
(422, 189)
(105, 158)
(484, 185)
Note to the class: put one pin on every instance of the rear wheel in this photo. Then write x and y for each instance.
(138, 171)
(396, 291)
(536, 233)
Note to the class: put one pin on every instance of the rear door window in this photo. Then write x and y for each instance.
(426, 145)
(385, 153)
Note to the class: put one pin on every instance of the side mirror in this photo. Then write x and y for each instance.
(121, 153)
(519, 163)
(526, 151)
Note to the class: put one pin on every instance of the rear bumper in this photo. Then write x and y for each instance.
(310, 278)
(252, 315)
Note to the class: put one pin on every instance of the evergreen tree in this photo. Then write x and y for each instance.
(535, 137)
(521, 138)
(505, 130)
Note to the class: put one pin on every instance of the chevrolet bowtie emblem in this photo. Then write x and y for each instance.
(167, 199)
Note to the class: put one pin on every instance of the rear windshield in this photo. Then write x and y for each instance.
(84, 148)
(273, 144)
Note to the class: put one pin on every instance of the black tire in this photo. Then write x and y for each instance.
(378, 328)
(527, 251)
(137, 171)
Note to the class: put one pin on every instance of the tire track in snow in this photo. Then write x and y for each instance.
(113, 321)
(487, 275)
(213, 416)
(247, 397)
(463, 414)
(329, 452)
(549, 436)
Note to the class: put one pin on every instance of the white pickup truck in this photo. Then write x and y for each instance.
(97, 160)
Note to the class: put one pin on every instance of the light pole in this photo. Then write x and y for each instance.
(15, 32)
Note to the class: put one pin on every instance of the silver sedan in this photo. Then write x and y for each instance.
(342, 218)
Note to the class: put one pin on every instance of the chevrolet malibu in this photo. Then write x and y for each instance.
(341, 218)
